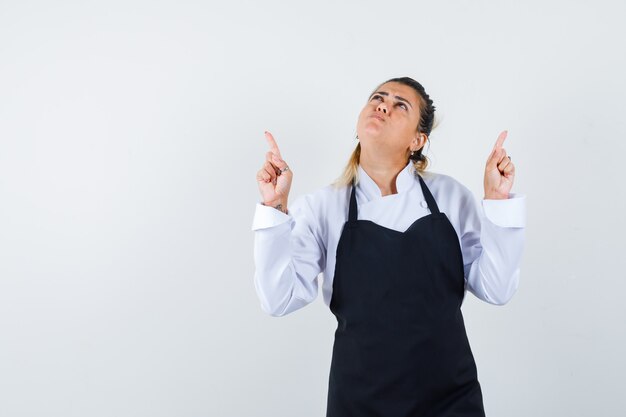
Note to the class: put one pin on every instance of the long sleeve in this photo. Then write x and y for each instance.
(492, 241)
(289, 254)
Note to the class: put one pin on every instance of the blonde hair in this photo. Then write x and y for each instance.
(426, 123)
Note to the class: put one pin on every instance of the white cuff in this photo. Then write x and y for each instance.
(266, 216)
(509, 212)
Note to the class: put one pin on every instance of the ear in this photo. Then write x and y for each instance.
(418, 142)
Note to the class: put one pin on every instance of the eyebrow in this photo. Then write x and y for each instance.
(386, 94)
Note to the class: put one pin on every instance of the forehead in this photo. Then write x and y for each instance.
(397, 89)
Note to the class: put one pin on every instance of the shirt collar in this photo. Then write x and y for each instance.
(404, 181)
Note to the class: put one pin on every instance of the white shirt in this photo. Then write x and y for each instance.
(292, 251)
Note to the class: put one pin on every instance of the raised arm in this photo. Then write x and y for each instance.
(289, 252)
(492, 239)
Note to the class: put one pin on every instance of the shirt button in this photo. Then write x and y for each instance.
(424, 204)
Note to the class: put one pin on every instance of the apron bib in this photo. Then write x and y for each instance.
(400, 347)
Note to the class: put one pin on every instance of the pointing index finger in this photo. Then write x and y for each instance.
(500, 139)
(272, 142)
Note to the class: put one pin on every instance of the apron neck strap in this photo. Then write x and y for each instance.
(432, 205)
(352, 216)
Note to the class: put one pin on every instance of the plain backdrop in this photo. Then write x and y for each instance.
(130, 136)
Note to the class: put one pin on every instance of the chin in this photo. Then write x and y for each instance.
(372, 131)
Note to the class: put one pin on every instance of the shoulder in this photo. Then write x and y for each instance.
(447, 189)
(320, 211)
(322, 203)
(444, 182)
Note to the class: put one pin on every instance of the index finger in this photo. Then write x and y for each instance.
(272, 142)
(500, 139)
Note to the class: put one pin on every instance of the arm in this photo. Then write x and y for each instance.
(289, 254)
(492, 242)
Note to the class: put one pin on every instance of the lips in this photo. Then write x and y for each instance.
(375, 116)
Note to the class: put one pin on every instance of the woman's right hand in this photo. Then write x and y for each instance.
(274, 182)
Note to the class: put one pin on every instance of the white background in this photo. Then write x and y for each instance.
(130, 136)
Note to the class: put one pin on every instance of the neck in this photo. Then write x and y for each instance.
(382, 171)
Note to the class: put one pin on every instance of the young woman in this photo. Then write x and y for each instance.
(397, 248)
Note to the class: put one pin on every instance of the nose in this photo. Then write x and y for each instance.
(382, 107)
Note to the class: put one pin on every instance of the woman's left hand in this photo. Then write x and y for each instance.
(499, 172)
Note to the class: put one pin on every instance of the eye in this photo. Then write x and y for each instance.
(376, 96)
(402, 104)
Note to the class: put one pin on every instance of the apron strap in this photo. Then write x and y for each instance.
(352, 215)
(432, 205)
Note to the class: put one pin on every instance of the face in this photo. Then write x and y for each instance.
(387, 124)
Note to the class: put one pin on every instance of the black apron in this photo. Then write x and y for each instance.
(400, 346)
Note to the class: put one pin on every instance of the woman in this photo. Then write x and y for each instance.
(397, 247)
